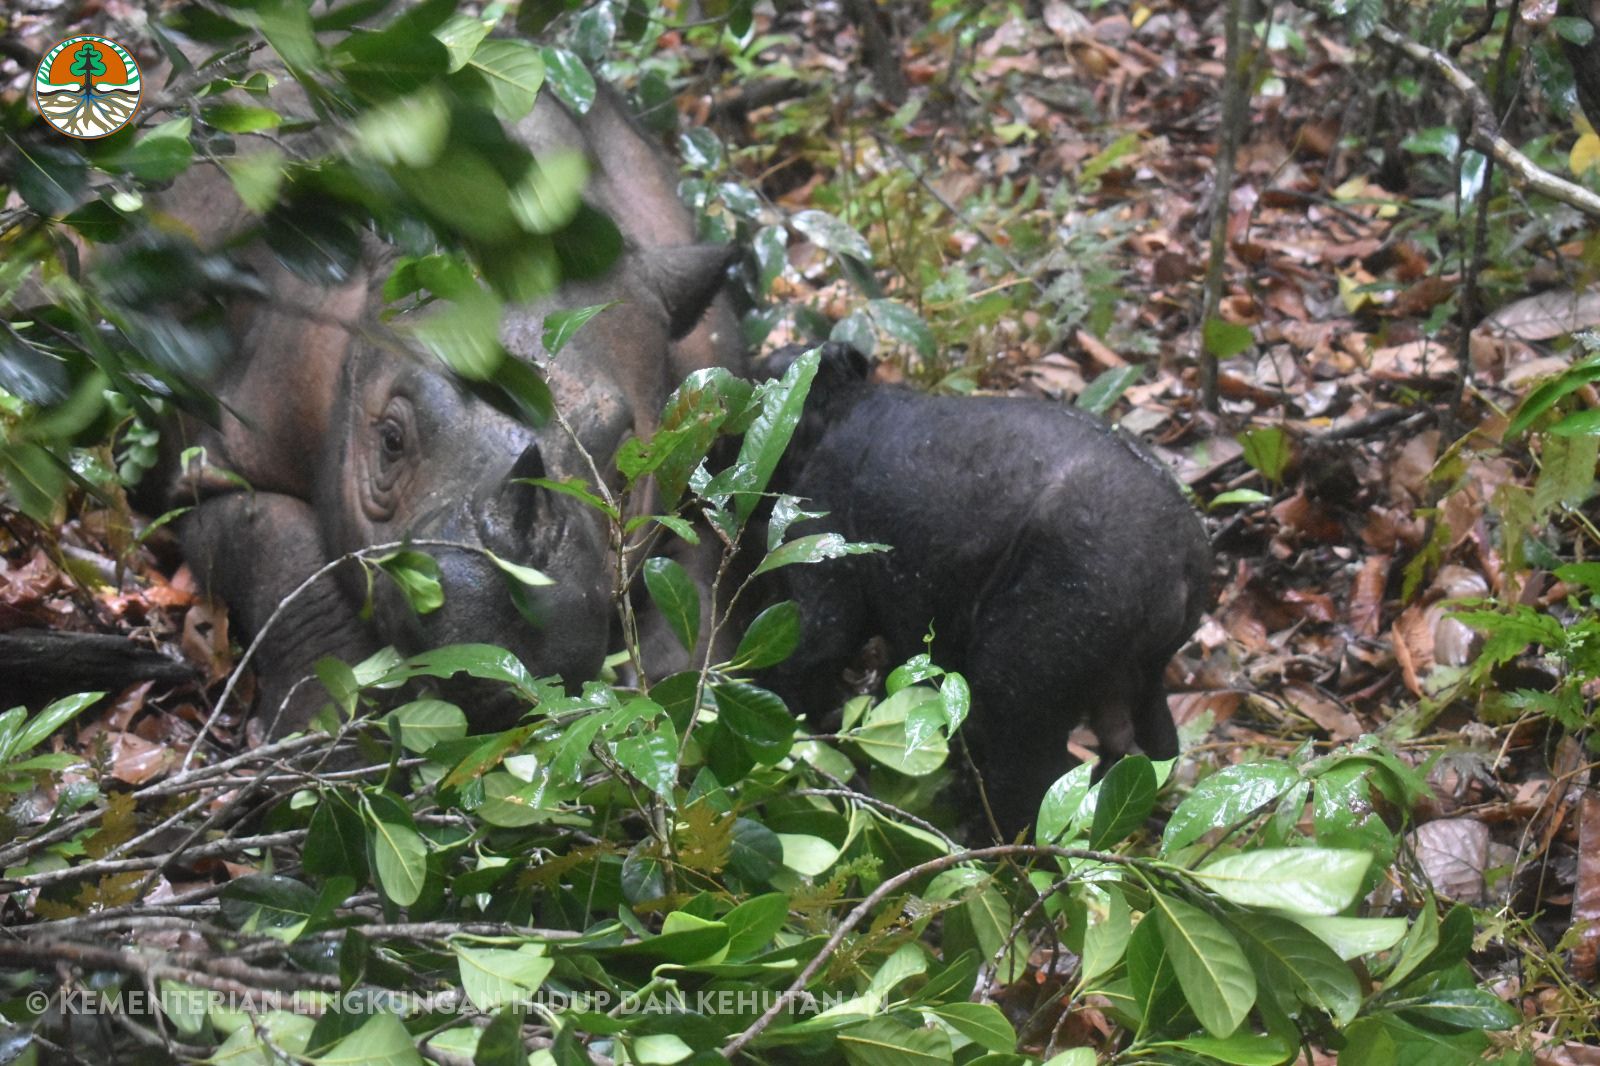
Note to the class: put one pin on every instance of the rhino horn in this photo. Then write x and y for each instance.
(686, 277)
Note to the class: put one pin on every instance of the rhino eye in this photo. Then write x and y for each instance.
(392, 439)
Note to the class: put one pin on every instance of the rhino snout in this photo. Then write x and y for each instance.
(510, 519)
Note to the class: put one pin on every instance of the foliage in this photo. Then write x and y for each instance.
(651, 875)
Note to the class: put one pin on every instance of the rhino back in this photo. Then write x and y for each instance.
(963, 487)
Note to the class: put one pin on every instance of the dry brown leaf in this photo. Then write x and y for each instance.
(1547, 315)
(1366, 595)
(1454, 855)
(1098, 350)
(1331, 718)
(135, 760)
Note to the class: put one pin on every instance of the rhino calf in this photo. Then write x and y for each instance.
(1054, 557)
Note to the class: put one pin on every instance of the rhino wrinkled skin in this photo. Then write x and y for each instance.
(346, 440)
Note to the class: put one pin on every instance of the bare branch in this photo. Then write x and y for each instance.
(1485, 132)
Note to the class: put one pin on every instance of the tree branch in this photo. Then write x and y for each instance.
(1485, 130)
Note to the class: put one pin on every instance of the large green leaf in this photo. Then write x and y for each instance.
(982, 1023)
(1225, 799)
(770, 639)
(512, 72)
(1296, 967)
(757, 717)
(382, 1041)
(398, 853)
(1321, 881)
(885, 738)
(884, 1042)
(673, 592)
(815, 548)
(768, 436)
(494, 977)
(1127, 796)
(424, 723)
(1215, 976)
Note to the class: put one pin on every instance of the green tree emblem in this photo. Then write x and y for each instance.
(87, 64)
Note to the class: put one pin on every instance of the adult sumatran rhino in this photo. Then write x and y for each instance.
(346, 440)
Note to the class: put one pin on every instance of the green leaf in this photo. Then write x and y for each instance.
(475, 660)
(160, 154)
(1267, 451)
(398, 853)
(816, 548)
(903, 324)
(1127, 796)
(495, 977)
(1232, 496)
(684, 939)
(424, 723)
(1580, 31)
(569, 78)
(1105, 936)
(1226, 798)
(1546, 395)
(831, 235)
(47, 721)
(382, 1041)
(757, 717)
(1241, 1049)
(1459, 1008)
(1108, 387)
(756, 853)
(1296, 967)
(883, 1042)
(256, 177)
(768, 436)
(1212, 971)
(1301, 880)
(523, 575)
(546, 200)
(461, 34)
(771, 638)
(1350, 938)
(1153, 980)
(652, 758)
(408, 132)
(268, 903)
(1061, 813)
(417, 574)
(560, 326)
(1078, 1056)
(500, 1043)
(982, 1023)
(241, 118)
(886, 739)
(753, 924)
(1224, 340)
(673, 592)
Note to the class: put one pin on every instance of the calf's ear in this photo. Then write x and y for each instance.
(686, 277)
(843, 364)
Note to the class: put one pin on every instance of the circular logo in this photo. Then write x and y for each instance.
(87, 86)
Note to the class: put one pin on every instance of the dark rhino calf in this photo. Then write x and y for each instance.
(1054, 557)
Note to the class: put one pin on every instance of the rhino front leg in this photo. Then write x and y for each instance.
(253, 550)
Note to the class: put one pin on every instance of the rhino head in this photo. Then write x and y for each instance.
(415, 456)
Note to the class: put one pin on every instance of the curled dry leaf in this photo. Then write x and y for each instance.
(1454, 854)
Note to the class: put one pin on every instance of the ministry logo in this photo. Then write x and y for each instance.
(87, 86)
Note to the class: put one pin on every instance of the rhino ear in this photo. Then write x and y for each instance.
(686, 277)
